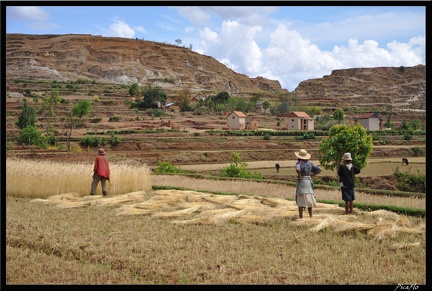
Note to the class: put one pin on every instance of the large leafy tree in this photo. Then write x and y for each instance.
(30, 135)
(222, 97)
(341, 139)
(27, 117)
(339, 115)
(183, 99)
(134, 90)
(83, 107)
(152, 96)
(50, 104)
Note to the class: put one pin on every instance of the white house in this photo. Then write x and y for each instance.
(298, 120)
(236, 120)
(370, 121)
(262, 107)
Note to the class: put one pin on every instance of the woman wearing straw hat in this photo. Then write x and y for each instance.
(305, 196)
(101, 172)
(346, 172)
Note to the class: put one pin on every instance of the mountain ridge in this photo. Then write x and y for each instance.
(172, 67)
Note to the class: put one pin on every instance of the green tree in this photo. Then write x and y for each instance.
(134, 90)
(388, 123)
(341, 139)
(282, 108)
(27, 116)
(30, 135)
(83, 107)
(183, 99)
(153, 96)
(49, 105)
(414, 124)
(237, 169)
(222, 97)
(339, 115)
(403, 125)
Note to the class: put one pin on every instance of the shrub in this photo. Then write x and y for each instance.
(237, 169)
(114, 119)
(92, 141)
(114, 140)
(167, 168)
(95, 119)
(410, 182)
(30, 135)
(417, 151)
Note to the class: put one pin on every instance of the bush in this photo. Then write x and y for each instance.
(95, 120)
(30, 135)
(114, 119)
(167, 168)
(410, 182)
(237, 169)
(92, 141)
(114, 140)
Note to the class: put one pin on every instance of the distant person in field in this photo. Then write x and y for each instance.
(305, 196)
(346, 172)
(101, 172)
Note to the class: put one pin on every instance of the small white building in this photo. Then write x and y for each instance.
(370, 121)
(236, 120)
(262, 107)
(298, 120)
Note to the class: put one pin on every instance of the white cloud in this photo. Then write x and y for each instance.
(121, 29)
(140, 29)
(27, 13)
(195, 15)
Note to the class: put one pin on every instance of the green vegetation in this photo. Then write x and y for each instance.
(168, 168)
(343, 138)
(27, 116)
(30, 135)
(237, 169)
(410, 182)
(152, 97)
(93, 141)
(83, 107)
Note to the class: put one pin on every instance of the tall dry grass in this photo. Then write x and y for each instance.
(42, 179)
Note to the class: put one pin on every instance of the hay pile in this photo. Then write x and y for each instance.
(191, 207)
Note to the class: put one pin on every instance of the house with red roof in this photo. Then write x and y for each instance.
(370, 121)
(298, 120)
(236, 120)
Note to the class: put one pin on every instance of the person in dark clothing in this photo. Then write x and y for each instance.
(346, 173)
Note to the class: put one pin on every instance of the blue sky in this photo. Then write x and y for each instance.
(285, 43)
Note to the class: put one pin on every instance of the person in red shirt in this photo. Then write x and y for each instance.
(101, 172)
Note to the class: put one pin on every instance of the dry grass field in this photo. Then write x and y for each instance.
(57, 234)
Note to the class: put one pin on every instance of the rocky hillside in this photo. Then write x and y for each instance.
(127, 61)
(400, 87)
(124, 61)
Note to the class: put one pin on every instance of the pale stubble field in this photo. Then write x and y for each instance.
(142, 236)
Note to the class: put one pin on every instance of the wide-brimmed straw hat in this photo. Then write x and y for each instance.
(347, 157)
(303, 154)
(101, 152)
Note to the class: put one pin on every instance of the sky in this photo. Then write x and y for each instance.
(285, 43)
